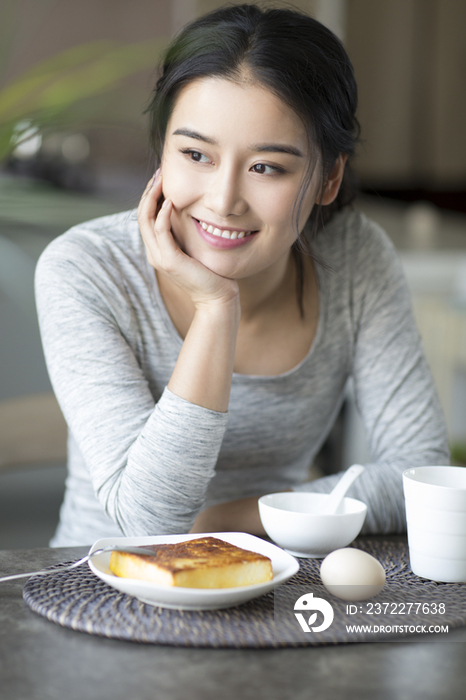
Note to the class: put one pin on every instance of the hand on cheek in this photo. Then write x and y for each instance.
(165, 255)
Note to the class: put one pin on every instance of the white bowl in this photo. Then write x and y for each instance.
(292, 520)
(436, 520)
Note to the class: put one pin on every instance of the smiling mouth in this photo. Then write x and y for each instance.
(224, 233)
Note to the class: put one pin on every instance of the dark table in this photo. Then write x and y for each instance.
(40, 660)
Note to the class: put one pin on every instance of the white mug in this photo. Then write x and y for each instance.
(435, 500)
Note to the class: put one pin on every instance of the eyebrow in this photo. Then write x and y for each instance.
(276, 148)
(258, 148)
(194, 135)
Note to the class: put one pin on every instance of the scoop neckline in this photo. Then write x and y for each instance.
(154, 286)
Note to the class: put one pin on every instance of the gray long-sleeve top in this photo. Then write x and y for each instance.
(144, 461)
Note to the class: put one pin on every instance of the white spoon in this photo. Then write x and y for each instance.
(336, 496)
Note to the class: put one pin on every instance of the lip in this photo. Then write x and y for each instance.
(222, 243)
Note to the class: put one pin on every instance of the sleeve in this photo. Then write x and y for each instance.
(394, 389)
(150, 462)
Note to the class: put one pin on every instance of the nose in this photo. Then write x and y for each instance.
(224, 196)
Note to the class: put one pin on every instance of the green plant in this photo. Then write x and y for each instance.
(458, 453)
(43, 98)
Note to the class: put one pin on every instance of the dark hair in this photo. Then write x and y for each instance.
(295, 57)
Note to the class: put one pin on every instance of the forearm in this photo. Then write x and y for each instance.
(204, 369)
(168, 470)
(150, 458)
(170, 466)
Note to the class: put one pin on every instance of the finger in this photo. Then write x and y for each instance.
(151, 227)
(162, 222)
(148, 204)
(154, 181)
(162, 230)
(161, 247)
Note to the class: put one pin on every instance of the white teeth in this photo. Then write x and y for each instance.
(223, 234)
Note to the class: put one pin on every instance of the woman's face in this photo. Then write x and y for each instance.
(234, 158)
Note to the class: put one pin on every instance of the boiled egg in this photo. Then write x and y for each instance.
(352, 574)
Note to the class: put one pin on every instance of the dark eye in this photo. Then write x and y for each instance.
(196, 156)
(263, 169)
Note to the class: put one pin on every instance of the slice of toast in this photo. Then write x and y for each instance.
(206, 562)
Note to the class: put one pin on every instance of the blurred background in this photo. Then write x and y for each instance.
(75, 78)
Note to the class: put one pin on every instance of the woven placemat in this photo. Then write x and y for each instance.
(407, 606)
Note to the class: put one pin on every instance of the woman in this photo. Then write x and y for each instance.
(200, 354)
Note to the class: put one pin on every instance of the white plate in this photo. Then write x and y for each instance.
(283, 566)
